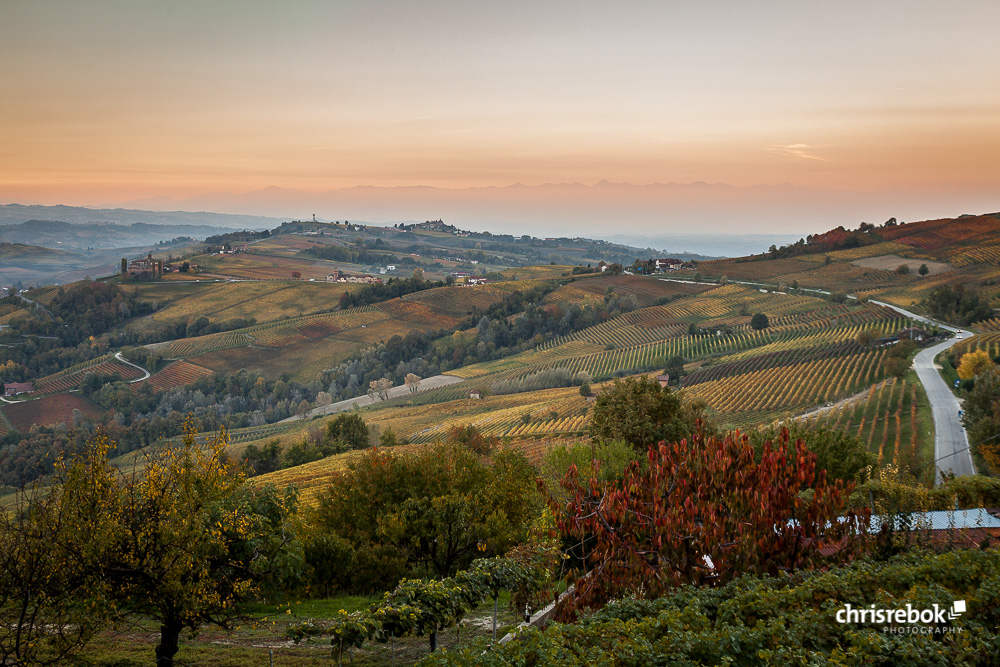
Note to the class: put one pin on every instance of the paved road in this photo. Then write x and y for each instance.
(951, 443)
(145, 376)
(361, 401)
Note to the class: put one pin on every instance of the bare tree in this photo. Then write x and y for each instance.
(412, 381)
(379, 388)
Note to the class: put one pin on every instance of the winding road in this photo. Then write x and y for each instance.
(119, 357)
(951, 443)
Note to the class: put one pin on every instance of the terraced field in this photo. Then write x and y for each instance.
(192, 347)
(264, 301)
(175, 374)
(71, 377)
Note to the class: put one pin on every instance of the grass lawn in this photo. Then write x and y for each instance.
(263, 642)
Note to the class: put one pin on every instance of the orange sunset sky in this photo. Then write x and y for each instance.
(105, 103)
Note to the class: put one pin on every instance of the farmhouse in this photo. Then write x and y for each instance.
(146, 265)
(475, 393)
(370, 280)
(668, 264)
(15, 388)
(913, 333)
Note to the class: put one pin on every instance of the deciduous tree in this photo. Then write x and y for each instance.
(639, 411)
(701, 512)
(974, 363)
(759, 322)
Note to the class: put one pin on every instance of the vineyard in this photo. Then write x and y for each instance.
(71, 377)
(646, 290)
(755, 395)
(313, 327)
(812, 331)
(175, 374)
(49, 411)
(192, 347)
(44, 295)
(560, 410)
(262, 267)
(456, 303)
(263, 301)
(990, 342)
(991, 325)
(757, 270)
(892, 418)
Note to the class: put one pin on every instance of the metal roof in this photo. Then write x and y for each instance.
(939, 520)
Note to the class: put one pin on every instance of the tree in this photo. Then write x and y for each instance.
(418, 273)
(585, 389)
(262, 460)
(473, 439)
(923, 270)
(974, 363)
(380, 388)
(345, 432)
(186, 541)
(124, 267)
(296, 275)
(185, 266)
(412, 381)
(701, 512)
(51, 603)
(865, 337)
(640, 412)
(903, 269)
(675, 368)
(759, 322)
(195, 542)
(842, 456)
(429, 512)
(982, 417)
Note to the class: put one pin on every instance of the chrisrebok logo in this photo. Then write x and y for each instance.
(905, 620)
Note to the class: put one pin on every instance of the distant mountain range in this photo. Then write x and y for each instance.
(105, 235)
(14, 214)
(597, 210)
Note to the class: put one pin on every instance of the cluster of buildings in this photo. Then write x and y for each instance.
(466, 278)
(668, 264)
(15, 388)
(144, 267)
(339, 276)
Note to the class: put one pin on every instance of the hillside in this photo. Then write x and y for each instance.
(254, 336)
(963, 250)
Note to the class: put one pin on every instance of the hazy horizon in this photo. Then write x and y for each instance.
(801, 116)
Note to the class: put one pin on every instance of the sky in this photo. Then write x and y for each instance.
(871, 103)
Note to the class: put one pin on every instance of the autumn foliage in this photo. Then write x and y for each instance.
(701, 512)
